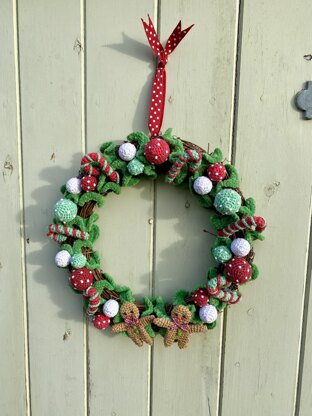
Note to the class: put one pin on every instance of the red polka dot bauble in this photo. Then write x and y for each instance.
(157, 151)
(88, 183)
(200, 297)
(81, 279)
(216, 172)
(101, 321)
(238, 270)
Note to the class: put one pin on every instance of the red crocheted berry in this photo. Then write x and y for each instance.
(81, 279)
(88, 183)
(101, 321)
(216, 172)
(157, 151)
(238, 270)
(200, 297)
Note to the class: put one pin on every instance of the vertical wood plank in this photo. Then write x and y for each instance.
(51, 124)
(12, 340)
(118, 70)
(199, 108)
(304, 398)
(273, 156)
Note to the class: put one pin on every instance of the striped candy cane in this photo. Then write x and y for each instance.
(94, 299)
(95, 163)
(190, 157)
(243, 224)
(216, 289)
(59, 233)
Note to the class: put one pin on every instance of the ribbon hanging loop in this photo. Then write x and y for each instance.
(158, 95)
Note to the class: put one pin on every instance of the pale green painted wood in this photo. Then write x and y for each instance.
(118, 67)
(273, 156)
(51, 126)
(13, 392)
(199, 108)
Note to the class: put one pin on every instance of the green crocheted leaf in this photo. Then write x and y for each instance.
(221, 222)
(108, 148)
(159, 308)
(215, 157)
(94, 233)
(138, 137)
(212, 325)
(79, 244)
(101, 182)
(255, 271)
(68, 248)
(205, 201)
(129, 180)
(119, 164)
(100, 285)
(91, 196)
(249, 208)
(168, 134)
(111, 186)
(149, 307)
(72, 197)
(221, 241)
(149, 170)
(233, 179)
(253, 235)
(94, 262)
(179, 298)
(196, 319)
(125, 294)
(91, 220)
(212, 272)
(79, 222)
(150, 331)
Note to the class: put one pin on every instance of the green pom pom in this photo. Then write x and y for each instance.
(227, 201)
(78, 260)
(65, 210)
(222, 254)
(135, 167)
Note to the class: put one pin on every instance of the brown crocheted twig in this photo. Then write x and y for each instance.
(97, 275)
(87, 209)
(192, 146)
(110, 294)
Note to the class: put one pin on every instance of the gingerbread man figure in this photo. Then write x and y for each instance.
(133, 325)
(179, 328)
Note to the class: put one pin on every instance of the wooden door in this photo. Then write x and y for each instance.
(77, 73)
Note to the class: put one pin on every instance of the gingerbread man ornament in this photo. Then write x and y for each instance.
(133, 325)
(179, 328)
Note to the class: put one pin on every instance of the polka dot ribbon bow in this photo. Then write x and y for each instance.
(158, 96)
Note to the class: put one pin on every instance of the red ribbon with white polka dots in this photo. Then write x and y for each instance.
(158, 95)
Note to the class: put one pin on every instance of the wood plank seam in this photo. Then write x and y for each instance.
(232, 151)
(21, 201)
(305, 310)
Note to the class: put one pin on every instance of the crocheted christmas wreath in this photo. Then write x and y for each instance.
(180, 163)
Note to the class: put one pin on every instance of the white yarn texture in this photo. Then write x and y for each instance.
(208, 313)
(73, 186)
(111, 308)
(127, 151)
(62, 258)
(202, 185)
(240, 247)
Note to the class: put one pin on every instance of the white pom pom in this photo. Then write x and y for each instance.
(208, 314)
(111, 308)
(62, 258)
(240, 247)
(73, 186)
(127, 151)
(202, 185)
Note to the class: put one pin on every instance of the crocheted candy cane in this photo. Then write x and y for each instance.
(92, 295)
(190, 157)
(243, 224)
(225, 294)
(95, 163)
(58, 232)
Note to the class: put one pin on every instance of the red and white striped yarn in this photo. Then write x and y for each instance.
(95, 163)
(94, 300)
(243, 224)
